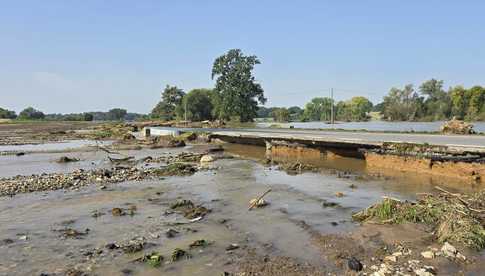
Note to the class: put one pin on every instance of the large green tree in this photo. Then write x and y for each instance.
(199, 104)
(171, 98)
(237, 92)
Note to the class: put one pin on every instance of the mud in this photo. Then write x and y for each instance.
(198, 223)
(473, 172)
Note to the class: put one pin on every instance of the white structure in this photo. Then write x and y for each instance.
(159, 131)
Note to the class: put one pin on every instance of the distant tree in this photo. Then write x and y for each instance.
(438, 102)
(117, 114)
(460, 99)
(476, 103)
(237, 93)
(318, 109)
(343, 111)
(378, 107)
(359, 108)
(7, 114)
(88, 117)
(199, 103)
(280, 114)
(295, 113)
(402, 104)
(264, 112)
(171, 98)
(31, 113)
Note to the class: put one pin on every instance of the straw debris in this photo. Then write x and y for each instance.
(455, 218)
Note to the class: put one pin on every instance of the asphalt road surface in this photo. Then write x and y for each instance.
(472, 142)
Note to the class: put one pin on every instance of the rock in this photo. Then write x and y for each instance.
(134, 245)
(397, 254)
(354, 264)
(118, 212)
(207, 159)
(23, 238)
(261, 203)
(339, 194)
(449, 250)
(460, 256)
(390, 259)
(170, 233)
(178, 253)
(425, 271)
(232, 246)
(20, 154)
(112, 246)
(427, 254)
(6, 242)
(65, 159)
(199, 243)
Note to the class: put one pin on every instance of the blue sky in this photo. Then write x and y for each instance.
(74, 56)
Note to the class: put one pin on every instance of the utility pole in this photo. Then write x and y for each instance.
(332, 112)
(185, 111)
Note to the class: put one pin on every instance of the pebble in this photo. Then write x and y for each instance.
(427, 254)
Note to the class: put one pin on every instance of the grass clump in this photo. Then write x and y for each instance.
(454, 218)
(154, 259)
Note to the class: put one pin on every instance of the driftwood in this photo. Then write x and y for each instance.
(120, 160)
(258, 199)
(458, 196)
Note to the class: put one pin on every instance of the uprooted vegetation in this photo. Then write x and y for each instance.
(454, 218)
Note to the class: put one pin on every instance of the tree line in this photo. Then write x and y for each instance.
(320, 109)
(30, 113)
(431, 102)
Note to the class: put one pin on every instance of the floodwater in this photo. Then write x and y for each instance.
(374, 126)
(48, 147)
(29, 219)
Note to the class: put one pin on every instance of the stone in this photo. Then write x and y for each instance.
(449, 250)
(390, 258)
(427, 254)
(207, 159)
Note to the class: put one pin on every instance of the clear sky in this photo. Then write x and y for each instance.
(75, 56)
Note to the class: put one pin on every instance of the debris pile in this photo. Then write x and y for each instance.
(189, 209)
(43, 182)
(456, 126)
(296, 167)
(455, 218)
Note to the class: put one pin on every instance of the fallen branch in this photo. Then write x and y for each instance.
(120, 160)
(258, 199)
(458, 196)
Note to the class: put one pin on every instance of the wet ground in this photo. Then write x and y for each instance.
(305, 211)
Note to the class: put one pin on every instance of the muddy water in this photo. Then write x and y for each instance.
(296, 200)
(59, 146)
